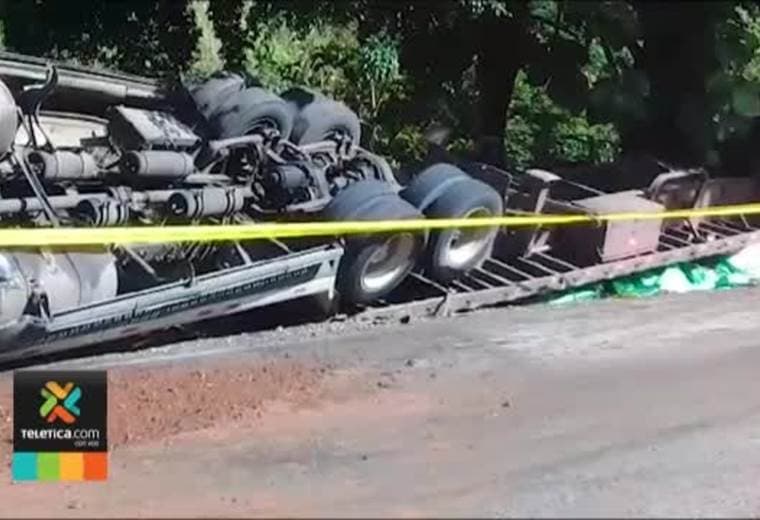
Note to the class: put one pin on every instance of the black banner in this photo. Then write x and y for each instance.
(60, 410)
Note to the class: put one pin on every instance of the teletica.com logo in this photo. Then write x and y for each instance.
(60, 402)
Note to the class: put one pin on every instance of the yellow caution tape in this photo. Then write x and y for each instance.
(36, 237)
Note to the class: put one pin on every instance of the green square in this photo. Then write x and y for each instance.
(48, 466)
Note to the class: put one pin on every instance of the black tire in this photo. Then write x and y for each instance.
(299, 97)
(247, 110)
(468, 199)
(351, 202)
(323, 306)
(365, 274)
(444, 191)
(430, 183)
(211, 94)
(316, 117)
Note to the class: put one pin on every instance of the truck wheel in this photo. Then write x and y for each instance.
(444, 191)
(210, 94)
(430, 183)
(248, 110)
(317, 117)
(373, 265)
(299, 97)
(324, 305)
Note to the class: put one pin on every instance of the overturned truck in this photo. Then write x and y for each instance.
(87, 148)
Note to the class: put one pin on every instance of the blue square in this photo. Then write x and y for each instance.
(24, 466)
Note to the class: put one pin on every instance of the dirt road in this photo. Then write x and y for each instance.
(615, 408)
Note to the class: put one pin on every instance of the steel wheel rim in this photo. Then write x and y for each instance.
(466, 244)
(262, 125)
(389, 262)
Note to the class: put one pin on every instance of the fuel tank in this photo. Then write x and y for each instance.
(66, 279)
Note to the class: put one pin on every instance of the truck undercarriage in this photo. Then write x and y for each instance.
(86, 148)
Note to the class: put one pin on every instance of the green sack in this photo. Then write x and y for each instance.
(741, 269)
(636, 286)
(578, 295)
(730, 276)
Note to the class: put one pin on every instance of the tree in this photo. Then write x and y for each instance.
(690, 88)
(503, 45)
(140, 36)
(227, 17)
(441, 41)
(678, 56)
(680, 80)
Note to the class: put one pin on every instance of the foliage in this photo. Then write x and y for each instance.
(207, 57)
(319, 56)
(444, 79)
(690, 101)
(557, 80)
(227, 17)
(140, 36)
(735, 85)
(542, 133)
(365, 75)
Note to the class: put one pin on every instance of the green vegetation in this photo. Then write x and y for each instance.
(518, 83)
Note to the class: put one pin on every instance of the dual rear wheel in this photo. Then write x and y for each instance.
(374, 265)
(443, 191)
(231, 108)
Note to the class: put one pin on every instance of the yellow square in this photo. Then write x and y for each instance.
(71, 466)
